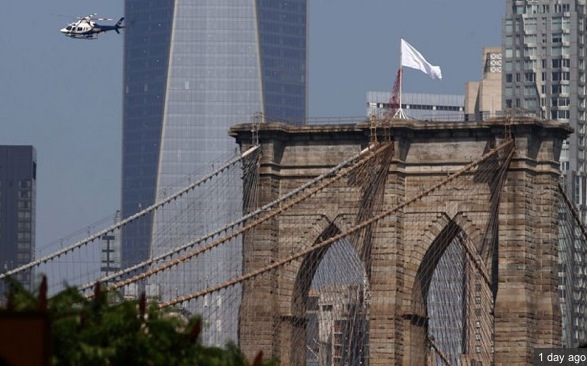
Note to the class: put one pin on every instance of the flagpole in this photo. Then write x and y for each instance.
(400, 112)
(401, 76)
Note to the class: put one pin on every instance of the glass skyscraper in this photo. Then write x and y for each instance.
(18, 187)
(191, 70)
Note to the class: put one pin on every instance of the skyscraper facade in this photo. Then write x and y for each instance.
(544, 61)
(191, 70)
(483, 97)
(18, 182)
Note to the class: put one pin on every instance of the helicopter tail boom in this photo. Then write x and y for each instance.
(119, 25)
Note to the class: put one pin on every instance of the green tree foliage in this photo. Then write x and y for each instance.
(107, 330)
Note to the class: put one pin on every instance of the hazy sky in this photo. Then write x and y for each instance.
(64, 96)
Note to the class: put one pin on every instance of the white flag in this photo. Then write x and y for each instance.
(414, 59)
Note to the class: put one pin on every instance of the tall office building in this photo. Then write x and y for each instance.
(18, 182)
(191, 70)
(544, 57)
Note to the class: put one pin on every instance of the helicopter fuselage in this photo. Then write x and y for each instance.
(87, 29)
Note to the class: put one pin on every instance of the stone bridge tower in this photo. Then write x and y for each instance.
(521, 260)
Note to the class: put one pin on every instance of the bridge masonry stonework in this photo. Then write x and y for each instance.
(522, 264)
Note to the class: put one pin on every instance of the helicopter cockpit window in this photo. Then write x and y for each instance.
(68, 27)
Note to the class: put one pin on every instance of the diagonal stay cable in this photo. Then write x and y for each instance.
(327, 179)
(468, 245)
(439, 352)
(129, 219)
(573, 209)
(229, 226)
(337, 237)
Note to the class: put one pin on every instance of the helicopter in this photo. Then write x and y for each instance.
(87, 28)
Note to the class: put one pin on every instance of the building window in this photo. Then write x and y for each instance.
(529, 90)
(530, 103)
(556, 76)
(563, 115)
(530, 24)
(23, 236)
(530, 76)
(530, 51)
(530, 39)
(556, 51)
(560, 102)
(566, 24)
(556, 24)
(556, 63)
(577, 189)
(555, 89)
(24, 215)
(531, 9)
(23, 257)
(529, 64)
